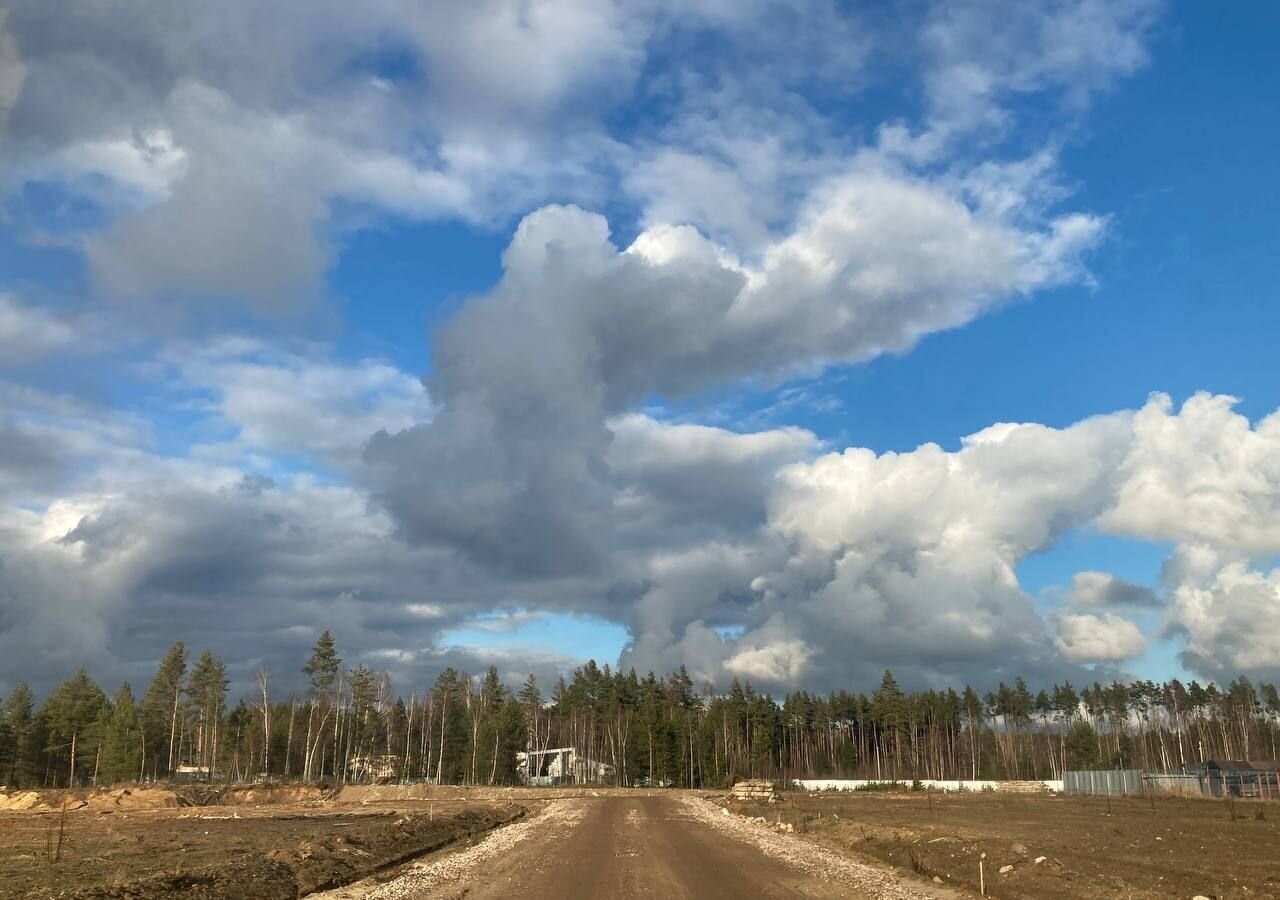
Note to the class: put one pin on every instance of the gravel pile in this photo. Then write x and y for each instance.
(424, 877)
(799, 854)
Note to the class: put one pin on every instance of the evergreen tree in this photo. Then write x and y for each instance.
(1082, 746)
(513, 737)
(70, 717)
(323, 666)
(18, 718)
(161, 709)
(207, 690)
(122, 740)
(451, 759)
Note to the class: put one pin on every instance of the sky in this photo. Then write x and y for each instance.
(784, 341)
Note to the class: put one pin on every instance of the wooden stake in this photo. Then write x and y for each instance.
(982, 876)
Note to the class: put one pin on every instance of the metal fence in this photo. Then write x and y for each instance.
(1106, 782)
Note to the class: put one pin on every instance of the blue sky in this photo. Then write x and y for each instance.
(335, 275)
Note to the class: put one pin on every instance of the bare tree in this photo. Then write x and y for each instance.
(261, 680)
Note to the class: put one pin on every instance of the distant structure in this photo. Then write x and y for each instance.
(1239, 778)
(561, 765)
(373, 768)
(192, 773)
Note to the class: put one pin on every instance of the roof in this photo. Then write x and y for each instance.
(1259, 765)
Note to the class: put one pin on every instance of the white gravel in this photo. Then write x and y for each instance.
(800, 854)
(416, 880)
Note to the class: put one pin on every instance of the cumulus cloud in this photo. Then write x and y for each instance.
(1104, 589)
(756, 555)
(772, 242)
(1084, 637)
(1230, 621)
(528, 375)
(1203, 475)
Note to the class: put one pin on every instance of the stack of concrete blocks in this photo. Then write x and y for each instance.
(757, 790)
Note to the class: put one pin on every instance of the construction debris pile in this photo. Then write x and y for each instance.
(757, 790)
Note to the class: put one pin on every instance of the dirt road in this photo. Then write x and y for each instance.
(666, 847)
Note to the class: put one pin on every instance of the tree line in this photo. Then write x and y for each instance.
(350, 726)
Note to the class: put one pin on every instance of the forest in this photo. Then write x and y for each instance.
(351, 726)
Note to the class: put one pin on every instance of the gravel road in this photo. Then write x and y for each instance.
(667, 847)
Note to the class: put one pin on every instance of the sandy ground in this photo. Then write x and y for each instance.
(667, 846)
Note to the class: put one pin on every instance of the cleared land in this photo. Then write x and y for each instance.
(1092, 848)
(261, 845)
(426, 843)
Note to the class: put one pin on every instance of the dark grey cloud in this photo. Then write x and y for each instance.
(28, 462)
(514, 470)
(1090, 589)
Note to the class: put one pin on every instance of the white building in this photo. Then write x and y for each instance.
(561, 765)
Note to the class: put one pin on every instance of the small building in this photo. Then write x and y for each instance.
(1239, 778)
(561, 765)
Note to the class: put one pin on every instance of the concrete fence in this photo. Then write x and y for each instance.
(853, 784)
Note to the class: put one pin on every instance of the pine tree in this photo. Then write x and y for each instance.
(18, 718)
(323, 666)
(512, 738)
(207, 690)
(122, 741)
(888, 709)
(450, 763)
(70, 716)
(161, 709)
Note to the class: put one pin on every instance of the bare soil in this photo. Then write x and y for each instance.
(630, 846)
(1131, 848)
(238, 849)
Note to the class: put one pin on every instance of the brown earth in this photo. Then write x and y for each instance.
(116, 852)
(633, 844)
(670, 845)
(1130, 848)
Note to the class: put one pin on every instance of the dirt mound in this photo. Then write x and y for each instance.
(22, 801)
(96, 799)
(259, 879)
(270, 795)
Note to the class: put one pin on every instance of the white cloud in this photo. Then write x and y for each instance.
(1230, 621)
(1084, 637)
(980, 53)
(1203, 475)
(783, 662)
(29, 333)
(300, 404)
